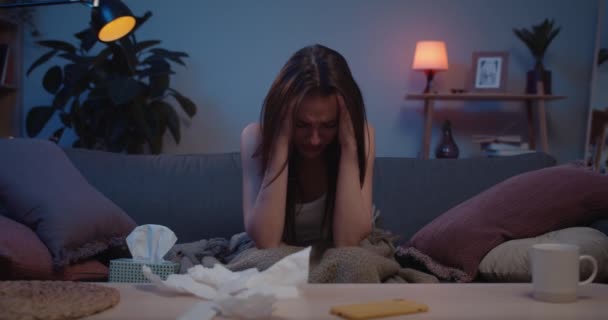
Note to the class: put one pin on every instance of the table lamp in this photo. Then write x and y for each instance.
(111, 19)
(430, 57)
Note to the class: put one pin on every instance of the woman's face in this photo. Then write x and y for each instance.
(316, 125)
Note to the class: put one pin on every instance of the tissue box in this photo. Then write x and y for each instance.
(129, 270)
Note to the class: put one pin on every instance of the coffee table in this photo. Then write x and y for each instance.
(445, 301)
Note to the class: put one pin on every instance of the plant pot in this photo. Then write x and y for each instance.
(531, 82)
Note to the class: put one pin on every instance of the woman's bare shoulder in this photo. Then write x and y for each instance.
(370, 129)
(251, 137)
(370, 136)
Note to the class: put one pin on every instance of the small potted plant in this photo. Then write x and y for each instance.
(538, 40)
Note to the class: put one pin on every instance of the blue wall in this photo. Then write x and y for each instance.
(237, 47)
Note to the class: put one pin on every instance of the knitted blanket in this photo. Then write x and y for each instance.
(371, 262)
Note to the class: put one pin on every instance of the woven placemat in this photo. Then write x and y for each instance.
(22, 300)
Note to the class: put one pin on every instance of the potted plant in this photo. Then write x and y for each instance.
(538, 40)
(115, 100)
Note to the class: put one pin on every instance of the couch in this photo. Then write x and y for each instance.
(199, 196)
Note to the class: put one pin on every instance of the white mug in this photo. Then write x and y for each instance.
(555, 271)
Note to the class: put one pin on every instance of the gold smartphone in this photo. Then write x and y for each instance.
(378, 309)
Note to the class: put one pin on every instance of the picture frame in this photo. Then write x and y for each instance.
(489, 71)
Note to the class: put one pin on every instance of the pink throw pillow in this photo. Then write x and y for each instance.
(22, 254)
(527, 205)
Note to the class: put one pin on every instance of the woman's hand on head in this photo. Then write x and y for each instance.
(346, 133)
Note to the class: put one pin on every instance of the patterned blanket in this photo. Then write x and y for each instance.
(371, 262)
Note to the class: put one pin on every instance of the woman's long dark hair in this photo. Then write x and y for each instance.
(313, 70)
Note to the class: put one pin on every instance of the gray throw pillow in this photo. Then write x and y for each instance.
(43, 190)
(509, 261)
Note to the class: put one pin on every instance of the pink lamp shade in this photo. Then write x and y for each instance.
(430, 55)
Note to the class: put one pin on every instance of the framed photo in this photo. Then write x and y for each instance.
(489, 71)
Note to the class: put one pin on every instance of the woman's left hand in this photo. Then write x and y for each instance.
(346, 133)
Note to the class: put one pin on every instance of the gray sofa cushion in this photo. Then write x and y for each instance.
(410, 193)
(196, 196)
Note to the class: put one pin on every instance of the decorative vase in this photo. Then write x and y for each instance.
(447, 148)
(531, 82)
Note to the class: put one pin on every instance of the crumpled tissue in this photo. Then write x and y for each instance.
(247, 294)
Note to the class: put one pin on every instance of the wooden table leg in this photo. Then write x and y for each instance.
(428, 124)
(531, 127)
(542, 121)
(542, 117)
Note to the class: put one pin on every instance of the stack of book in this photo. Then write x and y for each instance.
(500, 146)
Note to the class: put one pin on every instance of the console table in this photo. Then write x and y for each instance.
(530, 101)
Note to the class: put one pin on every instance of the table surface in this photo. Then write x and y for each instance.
(445, 301)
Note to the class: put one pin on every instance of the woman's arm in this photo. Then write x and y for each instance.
(352, 212)
(264, 199)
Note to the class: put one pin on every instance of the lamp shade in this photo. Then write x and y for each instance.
(112, 20)
(430, 55)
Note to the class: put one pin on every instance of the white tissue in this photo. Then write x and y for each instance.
(150, 242)
(247, 294)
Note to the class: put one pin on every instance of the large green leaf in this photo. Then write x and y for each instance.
(76, 117)
(139, 21)
(65, 119)
(129, 54)
(173, 122)
(119, 63)
(158, 85)
(44, 58)
(61, 98)
(58, 45)
(140, 120)
(145, 73)
(117, 131)
(123, 90)
(187, 105)
(145, 44)
(76, 58)
(87, 38)
(76, 78)
(101, 57)
(174, 56)
(56, 136)
(52, 79)
(37, 118)
(168, 117)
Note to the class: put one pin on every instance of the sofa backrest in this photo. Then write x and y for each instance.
(410, 193)
(196, 196)
(199, 196)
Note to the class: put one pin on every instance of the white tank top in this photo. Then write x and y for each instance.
(308, 220)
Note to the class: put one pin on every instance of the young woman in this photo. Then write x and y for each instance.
(308, 163)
